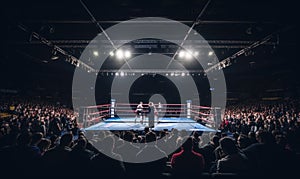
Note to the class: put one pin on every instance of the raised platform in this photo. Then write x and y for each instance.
(160, 124)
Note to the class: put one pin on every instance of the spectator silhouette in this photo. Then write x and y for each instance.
(233, 161)
(59, 156)
(187, 163)
(267, 158)
(208, 152)
(128, 151)
(36, 138)
(151, 168)
(108, 160)
(44, 145)
(80, 157)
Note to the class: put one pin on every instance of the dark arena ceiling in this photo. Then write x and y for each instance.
(32, 31)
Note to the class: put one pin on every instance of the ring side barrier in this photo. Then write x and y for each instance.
(95, 114)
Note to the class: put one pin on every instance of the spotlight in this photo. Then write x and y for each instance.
(182, 74)
(188, 55)
(121, 73)
(120, 54)
(117, 74)
(127, 54)
(95, 53)
(111, 53)
(210, 53)
(181, 53)
(172, 74)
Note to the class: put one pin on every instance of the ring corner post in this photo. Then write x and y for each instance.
(112, 107)
(188, 108)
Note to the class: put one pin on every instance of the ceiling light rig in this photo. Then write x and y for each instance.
(69, 58)
(249, 49)
(54, 54)
(188, 54)
(121, 54)
(128, 73)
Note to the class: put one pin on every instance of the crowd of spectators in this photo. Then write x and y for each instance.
(256, 139)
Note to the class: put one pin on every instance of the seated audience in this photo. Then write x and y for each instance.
(187, 162)
(233, 161)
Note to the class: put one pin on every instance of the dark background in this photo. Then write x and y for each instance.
(269, 71)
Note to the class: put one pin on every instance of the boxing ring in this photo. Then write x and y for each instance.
(122, 116)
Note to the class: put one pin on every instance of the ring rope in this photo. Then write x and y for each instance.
(97, 106)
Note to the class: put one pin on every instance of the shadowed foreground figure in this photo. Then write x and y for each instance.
(151, 168)
(59, 157)
(107, 166)
(187, 162)
(268, 159)
(233, 161)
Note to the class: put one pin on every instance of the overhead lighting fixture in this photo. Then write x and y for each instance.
(120, 54)
(96, 53)
(188, 55)
(181, 53)
(210, 53)
(122, 73)
(111, 53)
(127, 54)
